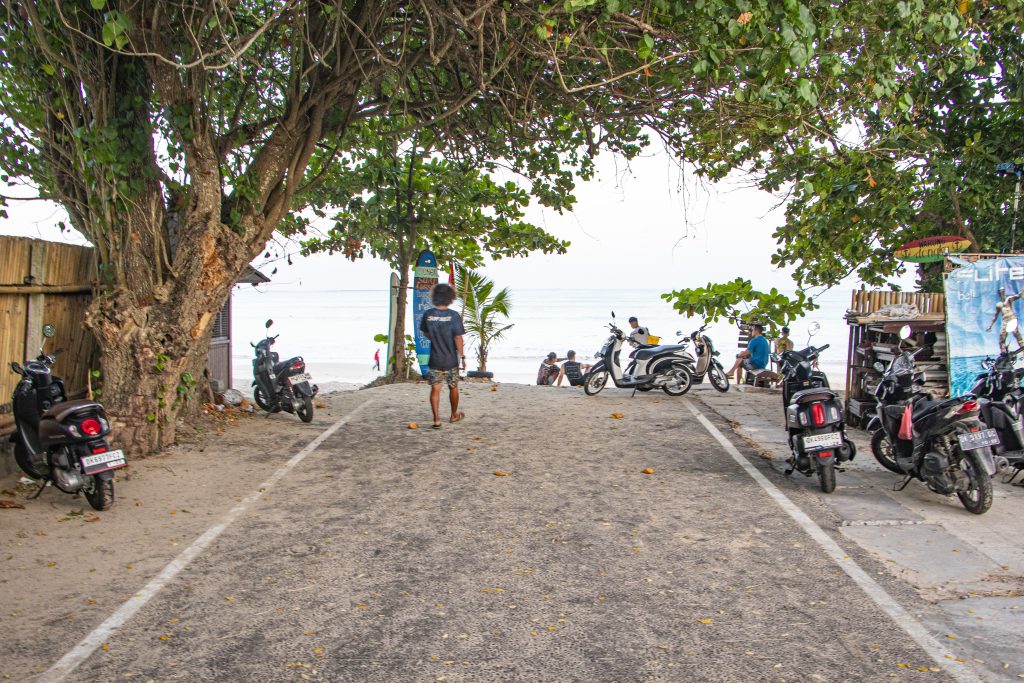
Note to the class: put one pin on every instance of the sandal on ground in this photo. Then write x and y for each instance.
(437, 426)
(457, 417)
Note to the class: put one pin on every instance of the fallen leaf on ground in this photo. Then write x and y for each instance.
(617, 416)
(11, 505)
(706, 621)
(499, 473)
(494, 388)
(320, 405)
(647, 470)
(413, 425)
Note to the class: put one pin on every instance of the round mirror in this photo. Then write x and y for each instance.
(49, 330)
(1011, 326)
(679, 333)
(879, 366)
(613, 314)
(269, 323)
(813, 328)
(905, 332)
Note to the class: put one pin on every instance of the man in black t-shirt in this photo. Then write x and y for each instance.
(444, 328)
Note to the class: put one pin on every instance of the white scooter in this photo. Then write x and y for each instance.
(657, 367)
(706, 360)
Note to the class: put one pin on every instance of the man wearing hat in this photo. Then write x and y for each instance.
(548, 372)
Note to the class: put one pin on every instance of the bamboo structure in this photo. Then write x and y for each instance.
(44, 283)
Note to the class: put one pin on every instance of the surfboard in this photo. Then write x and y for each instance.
(931, 249)
(392, 319)
(424, 279)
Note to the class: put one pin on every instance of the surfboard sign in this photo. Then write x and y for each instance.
(392, 321)
(424, 279)
(931, 249)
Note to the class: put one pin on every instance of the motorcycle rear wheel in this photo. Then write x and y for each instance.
(261, 399)
(305, 411)
(684, 380)
(827, 476)
(979, 498)
(594, 382)
(882, 449)
(99, 493)
(718, 378)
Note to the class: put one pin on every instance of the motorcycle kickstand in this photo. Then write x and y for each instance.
(42, 487)
(900, 487)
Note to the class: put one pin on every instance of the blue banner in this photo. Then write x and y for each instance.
(973, 325)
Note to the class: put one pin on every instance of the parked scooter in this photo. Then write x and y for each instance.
(814, 418)
(940, 442)
(665, 367)
(60, 441)
(281, 385)
(1001, 404)
(706, 363)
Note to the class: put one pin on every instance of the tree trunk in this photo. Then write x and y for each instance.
(398, 371)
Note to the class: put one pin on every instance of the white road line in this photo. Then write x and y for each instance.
(102, 633)
(886, 602)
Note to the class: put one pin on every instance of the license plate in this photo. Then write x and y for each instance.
(817, 442)
(101, 462)
(305, 377)
(970, 441)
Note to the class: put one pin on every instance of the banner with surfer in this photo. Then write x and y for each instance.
(981, 298)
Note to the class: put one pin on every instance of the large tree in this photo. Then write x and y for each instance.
(914, 156)
(396, 197)
(180, 134)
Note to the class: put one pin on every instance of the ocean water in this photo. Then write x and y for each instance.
(334, 329)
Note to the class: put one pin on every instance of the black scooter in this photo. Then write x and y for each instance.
(947, 448)
(814, 418)
(281, 385)
(62, 441)
(1001, 404)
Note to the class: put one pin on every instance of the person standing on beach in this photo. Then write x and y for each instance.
(376, 360)
(444, 328)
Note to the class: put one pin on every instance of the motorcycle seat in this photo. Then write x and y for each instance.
(816, 394)
(61, 411)
(285, 364)
(652, 351)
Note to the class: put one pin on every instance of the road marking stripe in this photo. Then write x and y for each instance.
(886, 602)
(126, 611)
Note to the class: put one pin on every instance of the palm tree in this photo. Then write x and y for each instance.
(484, 311)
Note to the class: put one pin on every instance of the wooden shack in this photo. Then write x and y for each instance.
(875, 319)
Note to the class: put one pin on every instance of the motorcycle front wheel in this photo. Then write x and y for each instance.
(305, 411)
(718, 379)
(261, 399)
(681, 379)
(32, 465)
(978, 498)
(594, 382)
(99, 493)
(882, 449)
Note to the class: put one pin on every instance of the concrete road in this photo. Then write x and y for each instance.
(390, 554)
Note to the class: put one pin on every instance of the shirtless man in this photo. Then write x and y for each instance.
(1005, 309)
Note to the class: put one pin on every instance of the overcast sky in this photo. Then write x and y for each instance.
(636, 226)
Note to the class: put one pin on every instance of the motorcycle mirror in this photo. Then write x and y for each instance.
(905, 332)
(679, 333)
(1011, 326)
(17, 368)
(813, 328)
(49, 330)
(879, 366)
(613, 315)
(269, 323)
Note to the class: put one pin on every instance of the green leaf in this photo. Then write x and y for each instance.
(48, 69)
(98, 4)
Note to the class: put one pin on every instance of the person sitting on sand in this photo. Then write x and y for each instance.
(548, 371)
(443, 327)
(572, 370)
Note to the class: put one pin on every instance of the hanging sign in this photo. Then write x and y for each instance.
(931, 249)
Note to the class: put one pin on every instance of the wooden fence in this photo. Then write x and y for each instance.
(44, 282)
